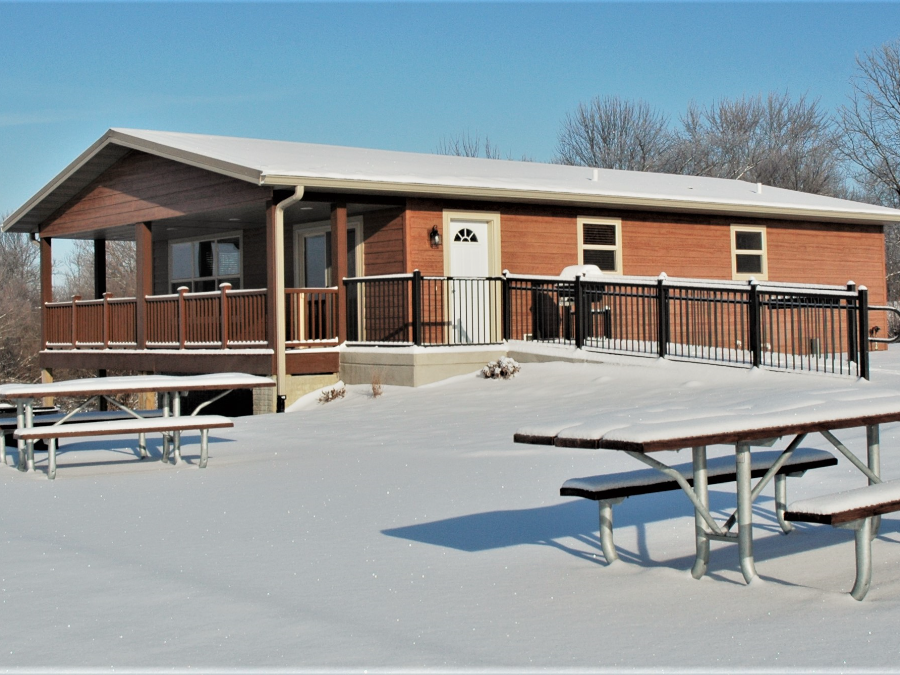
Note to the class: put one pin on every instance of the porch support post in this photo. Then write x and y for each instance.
(99, 268)
(144, 282)
(46, 286)
(339, 263)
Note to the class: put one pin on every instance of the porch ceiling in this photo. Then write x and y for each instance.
(243, 217)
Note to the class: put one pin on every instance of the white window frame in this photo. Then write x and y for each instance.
(763, 253)
(617, 223)
(226, 235)
(321, 227)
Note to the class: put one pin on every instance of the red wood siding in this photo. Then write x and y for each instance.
(141, 188)
(543, 240)
(160, 267)
(421, 216)
(253, 258)
(383, 237)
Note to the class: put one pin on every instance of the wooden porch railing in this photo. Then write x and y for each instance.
(312, 317)
(214, 320)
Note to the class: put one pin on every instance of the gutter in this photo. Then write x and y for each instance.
(737, 209)
(280, 358)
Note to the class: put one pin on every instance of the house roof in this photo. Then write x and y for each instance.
(361, 170)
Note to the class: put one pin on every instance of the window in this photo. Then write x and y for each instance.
(600, 243)
(312, 253)
(203, 264)
(748, 252)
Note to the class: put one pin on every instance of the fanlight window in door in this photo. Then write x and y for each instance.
(466, 235)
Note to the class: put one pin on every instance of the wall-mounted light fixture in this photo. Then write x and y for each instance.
(435, 237)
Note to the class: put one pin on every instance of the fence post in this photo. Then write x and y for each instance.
(863, 309)
(417, 307)
(755, 327)
(507, 306)
(182, 319)
(75, 299)
(224, 311)
(106, 326)
(579, 313)
(662, 315)
(851, 326)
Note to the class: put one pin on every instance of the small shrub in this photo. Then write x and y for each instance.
(377, 386)
(329, 395)
(503, 368)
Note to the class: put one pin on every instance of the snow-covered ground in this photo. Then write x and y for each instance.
(409, 531)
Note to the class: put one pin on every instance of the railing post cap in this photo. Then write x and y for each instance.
(662, 276)
(851, 283)
(76, 297)
(224, 285)
(505, 273)
(752, 281)
(862, 288)
(183, 289)
(107, 295)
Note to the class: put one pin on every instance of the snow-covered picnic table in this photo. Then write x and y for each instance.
(172, 388)
(699, 429)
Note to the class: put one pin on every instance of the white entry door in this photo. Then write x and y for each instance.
(470, 301)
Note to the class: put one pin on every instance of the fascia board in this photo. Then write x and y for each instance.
(654, 203)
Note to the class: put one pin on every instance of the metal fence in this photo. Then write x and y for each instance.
(432, 311)
(775, 325)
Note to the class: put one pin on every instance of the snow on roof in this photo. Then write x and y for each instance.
(287, 163)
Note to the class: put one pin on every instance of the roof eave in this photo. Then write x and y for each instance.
(116, 137)
(577, 198)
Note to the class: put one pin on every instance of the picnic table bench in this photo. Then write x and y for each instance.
(9, 423)
(142, 427)
(639, 439)
(172, 387)
(611, 489)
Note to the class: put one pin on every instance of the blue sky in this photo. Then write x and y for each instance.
(396, 76)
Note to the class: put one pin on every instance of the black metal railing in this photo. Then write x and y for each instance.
(775, 325)
(429, 311)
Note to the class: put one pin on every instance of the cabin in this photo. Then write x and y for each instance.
(310, 262)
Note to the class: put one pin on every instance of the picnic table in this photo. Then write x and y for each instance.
(644, 436)
(172, 388)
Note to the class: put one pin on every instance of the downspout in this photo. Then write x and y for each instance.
(280, 359)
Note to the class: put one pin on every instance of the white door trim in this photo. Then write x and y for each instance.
(492, 219)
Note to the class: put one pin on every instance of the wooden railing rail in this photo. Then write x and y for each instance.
(221, 319)
(312, 317)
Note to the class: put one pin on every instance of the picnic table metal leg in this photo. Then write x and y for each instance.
(166, 413)
(29, 444)
(873, 444)
(864, 538)
(176, 435)
(781, 503)
(204, 448)
(606, 530)
(701, 489)
(20, 423)
(745, 510)
(51, 458)
(142, 445)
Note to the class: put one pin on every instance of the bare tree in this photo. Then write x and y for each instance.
(20, 319)
(78, 269)
(777, 141)
(615, 133)
(871, 124)
(468, 145)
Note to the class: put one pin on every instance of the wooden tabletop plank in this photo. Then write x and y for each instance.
(135, 384)
(714, 430)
